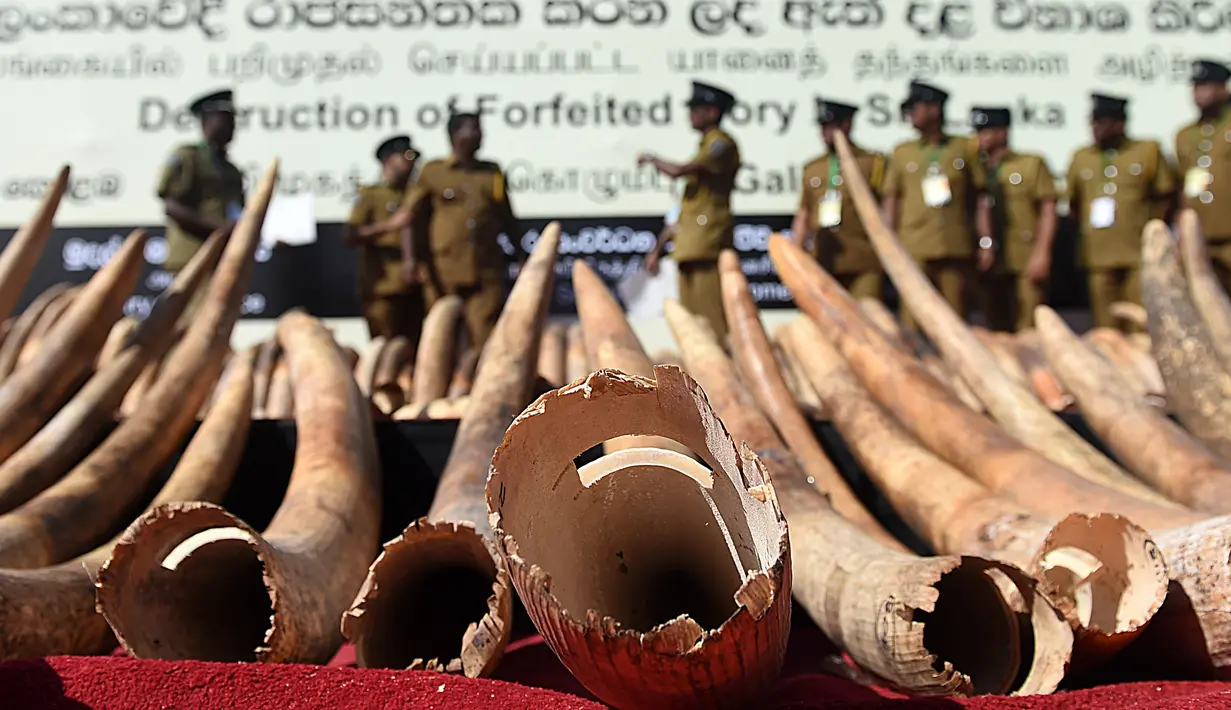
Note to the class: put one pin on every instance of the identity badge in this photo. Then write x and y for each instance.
(830, 209)
(1103, 212)
(936, 191)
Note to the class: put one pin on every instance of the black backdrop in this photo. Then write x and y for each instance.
(321, 277)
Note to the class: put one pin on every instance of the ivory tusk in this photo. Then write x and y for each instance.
(1207, 293)
(1014, 407)
(1146, 441)
(437, 597)
(22, 252)
(1198, 384)
(77, 513)
(755, 359)
(70, 434)
(274, 597)
(661, 584)
(50, 611)
(956, 515)
(934, 416)
(434, 361)
(611, 344)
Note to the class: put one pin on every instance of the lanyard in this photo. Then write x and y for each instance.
(833, 170)
(993, 172)
(934, 158)
(1105, 161)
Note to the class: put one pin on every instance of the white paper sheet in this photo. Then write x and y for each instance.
(643, 295)
(291, 220)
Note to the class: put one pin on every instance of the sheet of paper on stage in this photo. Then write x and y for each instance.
(290, 219)
(643, 295)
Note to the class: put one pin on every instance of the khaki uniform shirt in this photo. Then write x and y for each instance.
(1018, 185)
(705, 223)
(204, 182)
(844, 249)
(466, 211)
(1203, 152)
(380, 259)
(1136, 178)
(931, 232)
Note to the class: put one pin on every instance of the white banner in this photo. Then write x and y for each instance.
(571, 90)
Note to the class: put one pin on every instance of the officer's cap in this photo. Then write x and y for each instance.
(834, 112)
(1108, 106)
(990, 118)
(217, 102)
(706, 95)
(924, 93)
(396, 144)
(1206, 71)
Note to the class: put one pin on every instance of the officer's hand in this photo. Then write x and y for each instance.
(651, 263)
(1038, 269)
(986, 259)
(410, 272)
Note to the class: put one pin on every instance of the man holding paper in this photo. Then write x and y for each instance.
(391, 304)
(201, 190)
(705, 226)
(1114, 187)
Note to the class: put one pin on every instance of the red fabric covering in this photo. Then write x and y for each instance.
(530, 677)
(111, 683)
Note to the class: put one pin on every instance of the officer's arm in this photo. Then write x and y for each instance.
(175, 187)
(192, 221)
(417, 200)
(714, 161)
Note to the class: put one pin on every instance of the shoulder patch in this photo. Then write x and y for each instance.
(719, 146)
(174, 160)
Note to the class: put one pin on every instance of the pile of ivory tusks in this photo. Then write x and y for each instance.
(661, 573)
(432, 379)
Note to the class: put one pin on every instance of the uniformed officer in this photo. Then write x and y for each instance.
(932, 197)
(464, 203)
(201, 190)
(1203, 149)
(1115, 186)
(391, 305)
(1022, 194)
(826, 213)
(705, 226)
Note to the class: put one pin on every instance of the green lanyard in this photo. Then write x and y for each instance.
(934, 160)
(1105, 160)
(834, 175)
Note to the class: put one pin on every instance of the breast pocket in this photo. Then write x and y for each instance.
(1131, 182)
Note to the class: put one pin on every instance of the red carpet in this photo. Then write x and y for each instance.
(530, 677)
